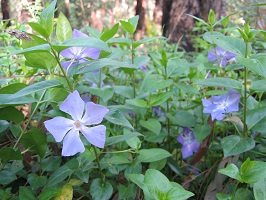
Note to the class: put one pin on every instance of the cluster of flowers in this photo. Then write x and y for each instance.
(68, 130)
(217, 106)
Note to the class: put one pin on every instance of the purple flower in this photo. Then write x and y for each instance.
(143, 68)
(220, 56)
(78, 55)
(158, 111)
(189, 143)
(69, 130)
(217, 106)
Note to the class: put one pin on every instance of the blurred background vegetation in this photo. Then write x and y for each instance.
(157, 17)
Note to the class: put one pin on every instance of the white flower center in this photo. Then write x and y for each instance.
(78, 125)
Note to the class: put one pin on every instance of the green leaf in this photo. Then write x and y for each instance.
(41, 60)
(154, 82)
(98, 64)
(220, 82)
(201, 20)
(118, 159)
(35, 140)
(7, 154)
(116, 117)
(259, 189)
(157, 99)
(3, 125)
(12, 114)
(243, 194)
(152, 155)
(82, 42)
(38, 48)
(49, 193)
(105, 92)
(34, 88)
(178, 192)
(182, 118)
(158, 165)
(12, 88)
(59, 175)
(36, 181)
(17, 101)
(221, 196)
(228, 43)
(232, 171)
(138, 180)
(259, 86)
(177, 67)
(7, 177)
(26, 193)
(259, 4)
(58, 94)
(256, 119)
(125, 91)
(51, 163)
(120, 138)
(253, 171)
(146, 40)
(126, 192)
(189, 89)
(155, 180)
(63, 28)
(234, 144)
(134, 21)
(39, 29)
(128, 27)
(100, 191)
(201, 131)
(256, 63)
(47, 18)
(108, 34)
(211, 17)
(138, 103)
(152, 124)
(134, 142)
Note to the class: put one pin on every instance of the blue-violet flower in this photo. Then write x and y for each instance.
(189, 142)
(78, 55)
(220, 56)
(69, 130)
(217, 106)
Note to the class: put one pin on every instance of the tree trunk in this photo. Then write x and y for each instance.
(178, 25)
(5, 11)
(141, 28)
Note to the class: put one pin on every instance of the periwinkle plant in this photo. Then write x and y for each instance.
(146, 123)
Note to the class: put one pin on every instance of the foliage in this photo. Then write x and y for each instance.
(137, 120)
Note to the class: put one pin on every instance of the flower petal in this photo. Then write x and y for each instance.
(58, 127)
(67, 53)
(223, 62)
(211, 56)
(94, 113)
(95, 135)
(181, 139)
(77, 33)
(186, 151)
(69, 64)
(73, 105)
(72, 144)
(91, 53)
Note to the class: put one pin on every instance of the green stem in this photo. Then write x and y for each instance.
(134, 79)
(29, 120)
(234, 191)
(61, 68)
(245, 94)
(167, 110)
(99, 166)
